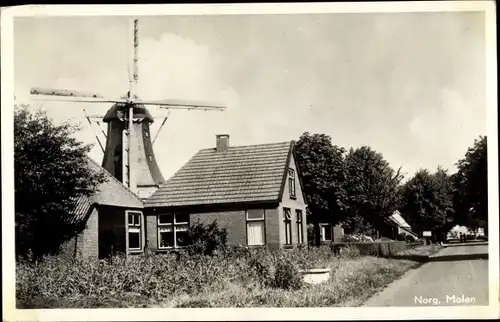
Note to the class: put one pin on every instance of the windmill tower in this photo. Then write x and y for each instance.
(128, 152)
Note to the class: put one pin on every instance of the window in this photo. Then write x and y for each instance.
(291, 182)
(173, 230)
(300, 228)
(256, 227)
(134, 230)
(326, 232)
(288, 226)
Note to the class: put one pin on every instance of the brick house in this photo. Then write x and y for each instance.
(331, 233)
(106, 214)
(254, 191)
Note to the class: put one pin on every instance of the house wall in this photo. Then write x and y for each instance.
(85, 244)
(297, 203)
(234, 220)
(89, 243)
(72, 248)
(151, 233)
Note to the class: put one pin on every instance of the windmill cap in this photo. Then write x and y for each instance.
(140, 111)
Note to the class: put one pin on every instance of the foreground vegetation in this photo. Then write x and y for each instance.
(229, 278)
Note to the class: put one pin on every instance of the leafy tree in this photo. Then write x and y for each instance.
(428, 202)
(50, 173)
(322, 167)
(372, 188)
(471, 186)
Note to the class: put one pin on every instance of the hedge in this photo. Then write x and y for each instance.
(378, 249)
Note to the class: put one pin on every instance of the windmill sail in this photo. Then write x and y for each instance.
(128, 152)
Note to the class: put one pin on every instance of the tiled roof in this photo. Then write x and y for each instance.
(240, 174)
(398, 219)
(109, 193)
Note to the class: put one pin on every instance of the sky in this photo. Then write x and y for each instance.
(409, 85)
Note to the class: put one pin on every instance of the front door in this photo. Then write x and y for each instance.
(107, 246)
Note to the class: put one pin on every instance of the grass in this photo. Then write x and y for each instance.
(242, 278)
(427, 250)
(353, 282)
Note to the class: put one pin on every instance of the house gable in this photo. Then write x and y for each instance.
(294, 202)
(285, 197)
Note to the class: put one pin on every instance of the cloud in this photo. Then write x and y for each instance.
(170, 67)
(362, 79)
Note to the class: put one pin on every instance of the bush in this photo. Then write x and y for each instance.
(287, 276)
(206, 239)
(276, 269)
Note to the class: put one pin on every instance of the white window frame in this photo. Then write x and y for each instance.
(323, 232)
(173, 225)
(288, 230)
(300, 225)
(291, 183)
(135, 228)
(262, 220)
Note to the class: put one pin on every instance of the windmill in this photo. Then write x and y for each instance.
(128, 151)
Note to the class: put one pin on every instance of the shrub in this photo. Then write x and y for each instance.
(206, 239)
(286, 275)
(279, 269)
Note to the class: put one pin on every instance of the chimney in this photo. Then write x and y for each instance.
(222, 142)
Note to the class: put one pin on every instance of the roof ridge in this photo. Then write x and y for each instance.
(251, 145)
(213, 189)
(113, 178)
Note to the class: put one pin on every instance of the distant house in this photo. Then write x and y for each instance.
(254, 191)
(113, 217)
(398, 225)
(328, 232)
(394, 225)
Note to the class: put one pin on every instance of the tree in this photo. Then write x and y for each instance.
(372, 187)
(50, 173)
(428, 202)
(471, 186)
(322, 167)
